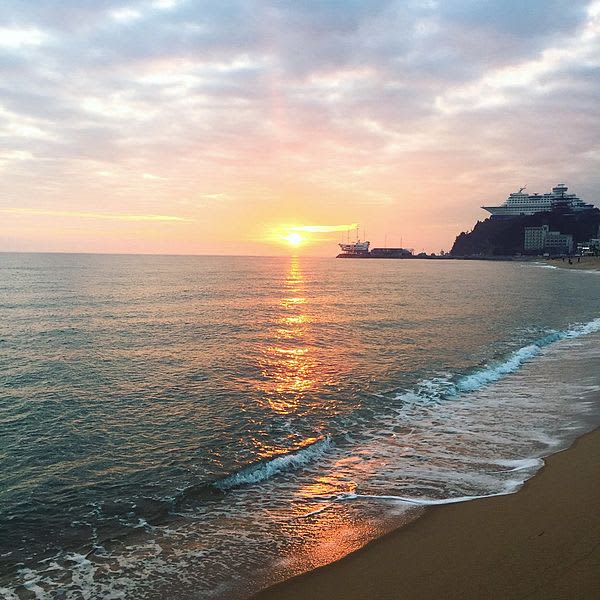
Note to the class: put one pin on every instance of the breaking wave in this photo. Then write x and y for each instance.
(446, 388)
(260, 471)
(309, 451)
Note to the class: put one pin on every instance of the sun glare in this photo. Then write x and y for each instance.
(293, 239)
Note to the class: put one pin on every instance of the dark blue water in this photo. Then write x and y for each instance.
(197, 426)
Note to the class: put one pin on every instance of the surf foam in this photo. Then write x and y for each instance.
(263, 470)
(440, 388)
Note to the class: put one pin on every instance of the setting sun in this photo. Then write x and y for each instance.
(294, 239)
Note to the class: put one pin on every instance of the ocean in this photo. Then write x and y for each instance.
(201, 427)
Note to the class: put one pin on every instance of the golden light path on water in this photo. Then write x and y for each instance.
(292, 377)
(288, 366)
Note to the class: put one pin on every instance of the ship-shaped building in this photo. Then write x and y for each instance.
(520, 203)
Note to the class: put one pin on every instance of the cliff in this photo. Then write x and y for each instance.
(504, 237)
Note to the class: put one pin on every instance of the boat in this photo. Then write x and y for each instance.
(520, 203)
(357, 248)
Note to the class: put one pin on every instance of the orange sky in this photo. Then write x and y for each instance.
(159, 127)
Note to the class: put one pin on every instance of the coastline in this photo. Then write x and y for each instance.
(542, 542)
(586, 263)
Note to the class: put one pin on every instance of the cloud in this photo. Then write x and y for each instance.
(153, 177)
(533, 19)
(334, 110)
(13, 38)
(323, 228)
(90, 215)
(125, 15)
(534, 76)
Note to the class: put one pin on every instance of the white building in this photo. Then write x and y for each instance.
(558, 243)
(535, 238)
(541, 239)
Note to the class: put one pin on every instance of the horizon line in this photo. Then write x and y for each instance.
(163, 254)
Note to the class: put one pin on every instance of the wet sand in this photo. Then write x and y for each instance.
(589, 263)
(540, 543)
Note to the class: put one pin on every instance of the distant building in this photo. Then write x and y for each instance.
(535, 238)
(541, 239)
(391, 253)
(558, 243)
(591, 247)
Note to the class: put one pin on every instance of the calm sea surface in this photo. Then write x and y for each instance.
(199, 427)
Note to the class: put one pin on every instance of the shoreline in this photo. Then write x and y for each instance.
(543, 542)
(585, 263)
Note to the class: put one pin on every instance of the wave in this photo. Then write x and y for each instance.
(521, 464)
(310, 450)
(585, 329)
(510, 488)
(255, 473)
(490, 373)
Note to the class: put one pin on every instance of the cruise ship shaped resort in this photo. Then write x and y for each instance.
(520, 203)
(553, 224)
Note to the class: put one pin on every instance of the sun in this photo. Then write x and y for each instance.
(294, 239)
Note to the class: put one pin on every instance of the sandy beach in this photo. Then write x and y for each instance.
(540, 543)
(588, 263)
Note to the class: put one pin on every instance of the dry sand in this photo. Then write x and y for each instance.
(540, 543)
(589, 263)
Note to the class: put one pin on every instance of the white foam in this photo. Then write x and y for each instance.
(495, 372)
(510, 488)
(522, 464)
(316, 511)
(284, 462)
(82, 574)
(584, 329)
(438, 388)
(30, 583)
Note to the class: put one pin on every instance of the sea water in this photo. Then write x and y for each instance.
(201, 427)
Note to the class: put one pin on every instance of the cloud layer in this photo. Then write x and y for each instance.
(236, 116)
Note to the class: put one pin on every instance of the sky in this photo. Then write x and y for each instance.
(245, 127)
